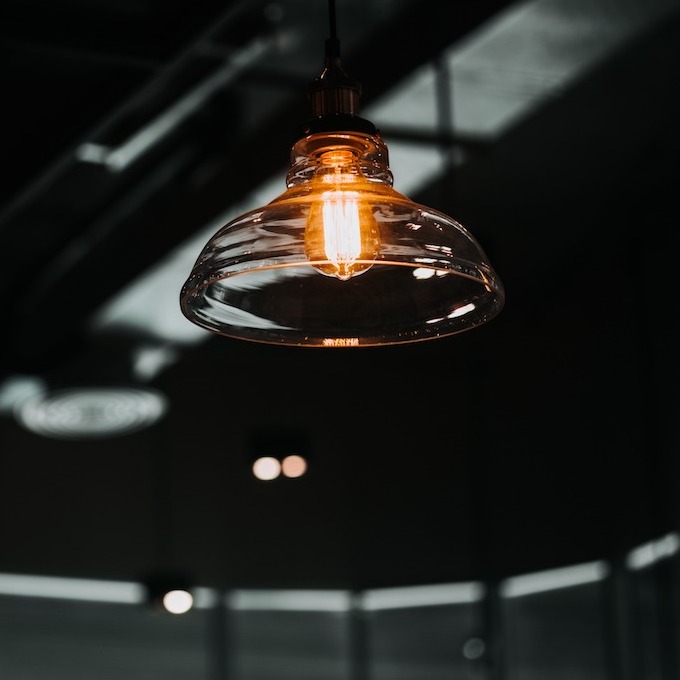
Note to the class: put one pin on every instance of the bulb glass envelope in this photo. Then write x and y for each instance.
(341, 259)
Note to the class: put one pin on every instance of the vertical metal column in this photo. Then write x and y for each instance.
(219, 643)
(666, 587)
(493, 632)
(622, 655)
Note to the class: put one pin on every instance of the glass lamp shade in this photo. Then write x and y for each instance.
(341, 259)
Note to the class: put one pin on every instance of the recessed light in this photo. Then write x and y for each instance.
(91, 412)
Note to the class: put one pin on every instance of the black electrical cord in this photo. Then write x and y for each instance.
(332, 25)
(332, 43)
(334, 95)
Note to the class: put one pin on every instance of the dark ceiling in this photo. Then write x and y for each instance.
(547, 437)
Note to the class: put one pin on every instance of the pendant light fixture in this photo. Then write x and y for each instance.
(341, 259)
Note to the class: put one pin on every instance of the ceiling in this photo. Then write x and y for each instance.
(547, 437)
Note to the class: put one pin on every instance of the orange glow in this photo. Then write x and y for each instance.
(294, 466)
(341, 232)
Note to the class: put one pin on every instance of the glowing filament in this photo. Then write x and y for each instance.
(341, 234)
(341, 230)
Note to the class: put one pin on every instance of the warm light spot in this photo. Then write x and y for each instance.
(266, 468)
(341, 342)
(178, 601)
(341, 230)
(338, 157)
(294, 466)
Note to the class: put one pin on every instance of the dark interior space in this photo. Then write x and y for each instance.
(546, 438)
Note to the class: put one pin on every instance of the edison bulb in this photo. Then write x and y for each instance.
(342, 235)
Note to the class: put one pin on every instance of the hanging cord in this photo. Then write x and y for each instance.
(335, 96)
(332, 23)
(332, 43)
(334, 92)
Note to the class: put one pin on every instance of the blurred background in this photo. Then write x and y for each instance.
(499, 504)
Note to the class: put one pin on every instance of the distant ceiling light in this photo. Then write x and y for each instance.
(169, 592)
(331, 261)
(266, 468)
(91, 412)
(293, 466)
(178, 601)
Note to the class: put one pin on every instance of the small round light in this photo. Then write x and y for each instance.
(294, 466)
(178, 601)
(266, 468)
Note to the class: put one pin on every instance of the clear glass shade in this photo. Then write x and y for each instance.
(341, 259)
